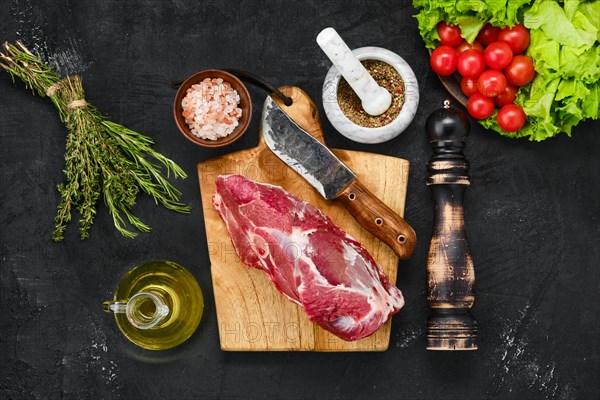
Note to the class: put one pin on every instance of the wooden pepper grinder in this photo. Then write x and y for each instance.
(450, 273)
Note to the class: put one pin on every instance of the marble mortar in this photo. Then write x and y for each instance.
(384, 133)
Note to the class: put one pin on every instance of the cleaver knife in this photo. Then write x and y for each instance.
(333, 179)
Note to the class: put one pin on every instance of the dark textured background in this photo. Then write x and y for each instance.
(532, 215)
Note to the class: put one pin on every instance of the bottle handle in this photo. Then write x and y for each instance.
(144, 310)
(117, 307)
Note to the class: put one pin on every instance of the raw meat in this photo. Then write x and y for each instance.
(308, 258)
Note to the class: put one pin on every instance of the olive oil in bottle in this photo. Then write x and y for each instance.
(158, 305)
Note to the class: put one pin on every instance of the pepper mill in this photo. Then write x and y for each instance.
(450, 273)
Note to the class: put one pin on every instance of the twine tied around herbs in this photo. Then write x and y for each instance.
(76, 104)
(56, 86)
(52, 89)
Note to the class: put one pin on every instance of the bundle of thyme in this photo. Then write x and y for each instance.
(102, 158)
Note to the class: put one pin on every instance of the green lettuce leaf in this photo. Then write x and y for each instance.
(470, 27)
(591, 11)
(544, 52)
(470, 15)
(552, 19)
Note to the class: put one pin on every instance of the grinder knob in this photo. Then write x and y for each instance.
(446, 124)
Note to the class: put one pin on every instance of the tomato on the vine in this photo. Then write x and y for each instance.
(491, 83)
(516, 37)
(520, 71)
(471, 64)
(479, 106)
(488, 34)
(497, 55)
(443, 60)
(464, 46)
(507, 97)
(511, 118)
(449, 34)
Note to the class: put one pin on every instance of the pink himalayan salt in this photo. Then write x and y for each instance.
(210, 108)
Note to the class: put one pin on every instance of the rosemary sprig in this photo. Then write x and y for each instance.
(102, 158)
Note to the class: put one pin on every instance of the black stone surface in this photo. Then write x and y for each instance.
(532, 215)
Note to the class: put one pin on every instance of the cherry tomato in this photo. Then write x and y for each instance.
(443, 60)
(517, 38)
(491, 83)
(471, 64)
(464, 46)
(479, 106)
(449, 34)
(507, 97)
(488, 34)
(520, 70)
(497, 55)
(469, 86)
(511, 118)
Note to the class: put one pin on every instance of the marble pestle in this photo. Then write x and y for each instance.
(375, 99)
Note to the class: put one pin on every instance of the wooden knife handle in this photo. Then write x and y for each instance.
(373, 215)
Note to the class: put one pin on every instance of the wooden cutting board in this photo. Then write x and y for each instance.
(252, 315)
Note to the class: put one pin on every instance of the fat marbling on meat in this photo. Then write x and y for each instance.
(309, 259)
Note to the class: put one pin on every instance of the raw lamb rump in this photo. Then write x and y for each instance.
(308, 258)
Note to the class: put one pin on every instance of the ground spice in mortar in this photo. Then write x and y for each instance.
(387, 77)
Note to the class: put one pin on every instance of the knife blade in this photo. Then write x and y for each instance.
(332, 178)
(303, 153)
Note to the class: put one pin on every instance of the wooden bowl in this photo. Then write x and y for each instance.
(245, 105)
(452, 85)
